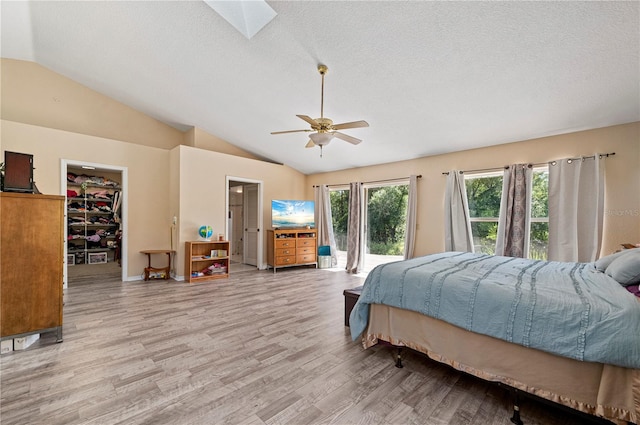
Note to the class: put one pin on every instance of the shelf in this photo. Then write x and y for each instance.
(103, 186)
(209, 258)
(198, 259)
(97, 218)
(89, 199)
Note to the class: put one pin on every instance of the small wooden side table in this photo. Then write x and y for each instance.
(165, 271)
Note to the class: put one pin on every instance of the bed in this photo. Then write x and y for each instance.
(565, 332)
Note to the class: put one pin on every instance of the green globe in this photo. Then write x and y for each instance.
(205, 232)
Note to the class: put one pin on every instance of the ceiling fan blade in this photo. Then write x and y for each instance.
(289, 131)
(310, 144)
(309, 120)
(346, 138)
(354, 124)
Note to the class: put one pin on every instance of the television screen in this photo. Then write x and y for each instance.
(292, 214)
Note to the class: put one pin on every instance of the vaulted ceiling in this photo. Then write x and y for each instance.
(429, 77)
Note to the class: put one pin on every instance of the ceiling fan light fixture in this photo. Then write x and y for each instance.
(321, 139)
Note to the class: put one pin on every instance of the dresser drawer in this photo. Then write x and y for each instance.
(284, 260)
(306, 250)
(306, 258)
(306, 242)
(282, 252)
(285, 243)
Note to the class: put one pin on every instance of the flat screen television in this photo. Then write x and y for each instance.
(292, 214)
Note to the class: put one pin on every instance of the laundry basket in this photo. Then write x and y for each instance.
(324, 257)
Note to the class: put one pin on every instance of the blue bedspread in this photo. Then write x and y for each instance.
(569, 309)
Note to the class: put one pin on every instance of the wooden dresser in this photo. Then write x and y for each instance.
(292, 247)
(31, 254)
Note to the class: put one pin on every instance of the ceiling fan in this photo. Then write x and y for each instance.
(324, 128)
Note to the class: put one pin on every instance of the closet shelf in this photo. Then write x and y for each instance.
(104, 186)
(86, 240)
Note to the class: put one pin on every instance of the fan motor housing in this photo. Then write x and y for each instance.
(324, 124)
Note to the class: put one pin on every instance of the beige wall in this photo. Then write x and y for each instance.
(202, 190)
(148, 173)
(33, 94)
(622, 199)
(52, 117)
(198, 138)
(188, 183)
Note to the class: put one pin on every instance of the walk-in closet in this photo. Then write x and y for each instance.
(94, 224)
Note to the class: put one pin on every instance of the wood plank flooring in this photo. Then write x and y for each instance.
(253, 349)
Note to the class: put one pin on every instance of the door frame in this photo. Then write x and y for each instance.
(260, 241)
(124, 215)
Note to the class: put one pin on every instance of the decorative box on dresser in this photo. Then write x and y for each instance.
(206, 260)
(31, 254)
(292, 247)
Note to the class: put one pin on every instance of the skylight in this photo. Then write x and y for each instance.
(247, 16)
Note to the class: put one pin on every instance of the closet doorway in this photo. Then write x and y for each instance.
(96, 227)
(244, 223)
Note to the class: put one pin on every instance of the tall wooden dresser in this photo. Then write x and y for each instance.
(31, 255)
(292, 247)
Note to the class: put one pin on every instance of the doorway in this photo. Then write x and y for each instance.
(96, 225)
(244, 223)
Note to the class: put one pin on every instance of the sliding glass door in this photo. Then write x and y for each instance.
(385, 217)
(384, 222)
(340, 216)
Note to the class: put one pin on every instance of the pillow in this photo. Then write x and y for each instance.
(625, 269)
(604, 262)
(634, 289)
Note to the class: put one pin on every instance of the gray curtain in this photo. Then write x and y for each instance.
(412, 207)
(457, 226)
(354, 227)
(324, 220)
(515, 212)
(576, 209)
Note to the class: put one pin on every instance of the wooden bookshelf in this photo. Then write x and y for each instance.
(206, 260)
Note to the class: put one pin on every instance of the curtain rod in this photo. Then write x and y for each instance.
(605, 155)
(374, 181)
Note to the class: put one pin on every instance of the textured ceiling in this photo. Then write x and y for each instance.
(429, 77)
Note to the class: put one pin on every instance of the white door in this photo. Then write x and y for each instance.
(251, 224)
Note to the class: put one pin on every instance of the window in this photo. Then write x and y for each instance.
(484, 192)
(539, 239)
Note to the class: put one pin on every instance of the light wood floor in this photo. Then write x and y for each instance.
(253, 349)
